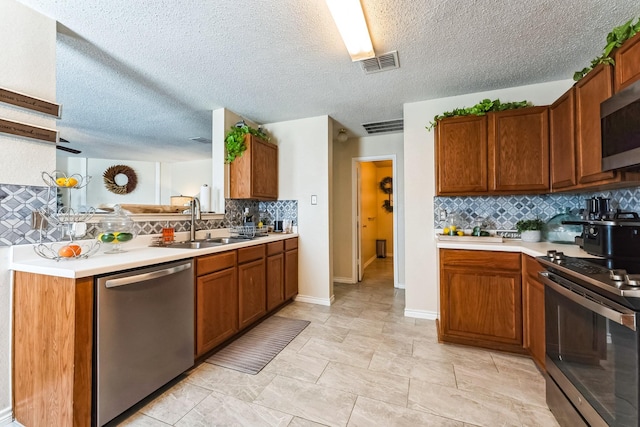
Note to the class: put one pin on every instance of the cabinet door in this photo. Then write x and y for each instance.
(480, 297)
(461, 155)
(533, 310)
(594, 88)
(252, 292)
(254, 175)
(519, 150)
(291, 273)
(216, 309)
(275, 281)
(264, 170)
(627, 60)
(562, 143)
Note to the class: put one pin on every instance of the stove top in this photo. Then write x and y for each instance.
(619, 277)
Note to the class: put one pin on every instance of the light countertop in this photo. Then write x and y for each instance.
(508, 245)
(138, 254)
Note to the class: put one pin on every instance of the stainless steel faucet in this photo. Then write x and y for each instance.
(194, 205)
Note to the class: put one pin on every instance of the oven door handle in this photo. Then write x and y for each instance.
(627, 320)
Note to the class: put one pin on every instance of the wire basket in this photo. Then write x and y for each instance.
(66, 215)
(59, 179)
(66, 251)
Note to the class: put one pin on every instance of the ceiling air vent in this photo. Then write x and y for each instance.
(201, 139)
(383, 127)
(385, 62)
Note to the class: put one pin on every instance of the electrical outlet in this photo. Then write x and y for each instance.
(443, 215)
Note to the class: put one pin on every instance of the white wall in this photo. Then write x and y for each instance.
(223, 120)
(305, 168)
(186, 178)
(28, 66)
(343, 153)
(421, 268)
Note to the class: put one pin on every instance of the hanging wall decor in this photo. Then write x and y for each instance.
(386, 186)
(120, 179)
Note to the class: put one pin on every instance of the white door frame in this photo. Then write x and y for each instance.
(355, 199)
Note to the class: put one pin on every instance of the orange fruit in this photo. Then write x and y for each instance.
(69, 251)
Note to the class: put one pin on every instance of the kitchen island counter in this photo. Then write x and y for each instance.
(137, 254)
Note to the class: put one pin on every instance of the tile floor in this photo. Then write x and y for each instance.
(359, 363)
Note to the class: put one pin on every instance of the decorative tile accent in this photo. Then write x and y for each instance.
(267, 212)
(502, 212)
(17, 202)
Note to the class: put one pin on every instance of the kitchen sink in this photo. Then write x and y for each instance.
(197, 244)
(205, 243)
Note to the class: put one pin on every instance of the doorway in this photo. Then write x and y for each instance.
(374, 221)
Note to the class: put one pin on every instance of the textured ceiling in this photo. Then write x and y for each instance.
(138, 78)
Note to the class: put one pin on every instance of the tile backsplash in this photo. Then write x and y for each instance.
(18, 202)
(502, 212)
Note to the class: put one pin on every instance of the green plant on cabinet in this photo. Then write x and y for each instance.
(234, 140)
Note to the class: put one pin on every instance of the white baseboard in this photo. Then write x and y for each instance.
(369, 261)
(347, 280)
(421, 314)
(400, 286)
(6, 416)
(315, 300)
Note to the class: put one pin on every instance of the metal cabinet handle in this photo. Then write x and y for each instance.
(625, 319)
(128, 280)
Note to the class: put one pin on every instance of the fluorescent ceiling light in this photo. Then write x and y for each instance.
(353, 28)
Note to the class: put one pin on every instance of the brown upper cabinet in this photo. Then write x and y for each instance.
(501, 153)
(575, 137)
(254, 175)
(627, 60)
(594, 88)
(519, 150)
(562, 137)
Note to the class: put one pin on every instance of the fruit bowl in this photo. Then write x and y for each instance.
(116, 229)
(61, 251)
(60, 179)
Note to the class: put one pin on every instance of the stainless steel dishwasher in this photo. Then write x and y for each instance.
(144, 334)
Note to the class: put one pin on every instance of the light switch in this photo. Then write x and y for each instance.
(314, 199)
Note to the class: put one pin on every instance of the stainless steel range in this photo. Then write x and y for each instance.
(592, 340)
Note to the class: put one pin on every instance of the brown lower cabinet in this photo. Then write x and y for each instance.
(533, 309)
(216, 300)
(275, 274)
(52, 343)
(290, 268)
(481, 299)
(252, 289)
(235, 289)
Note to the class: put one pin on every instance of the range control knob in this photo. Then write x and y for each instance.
(551, 255)
(632, 279)
(560, 258)
(617, 275)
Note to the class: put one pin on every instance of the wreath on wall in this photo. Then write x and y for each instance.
(386, 186)
(119, 173)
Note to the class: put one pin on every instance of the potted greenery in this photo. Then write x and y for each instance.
(530, 229)
(615, 39)
(234, 139)
(480, 109)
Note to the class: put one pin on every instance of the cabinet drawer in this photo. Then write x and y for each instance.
(216, 262)
(481, 259)
(250, 254)
(275, 248)
(291, 244)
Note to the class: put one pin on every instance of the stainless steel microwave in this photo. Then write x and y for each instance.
(620, 126)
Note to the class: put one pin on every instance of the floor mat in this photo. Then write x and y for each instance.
(252, 351)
